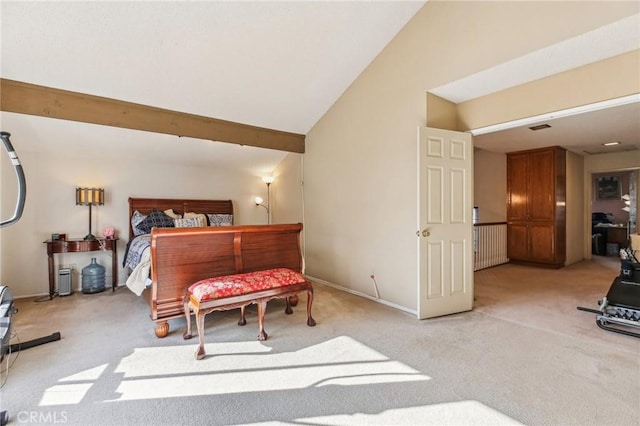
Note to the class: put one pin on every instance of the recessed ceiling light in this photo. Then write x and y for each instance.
(539, 127)
(611, 143)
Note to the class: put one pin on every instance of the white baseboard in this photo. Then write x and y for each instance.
(366, 296)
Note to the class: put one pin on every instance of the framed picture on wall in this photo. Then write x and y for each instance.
(608, 188)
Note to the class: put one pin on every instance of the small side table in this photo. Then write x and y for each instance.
(77, 245)
(618, 235)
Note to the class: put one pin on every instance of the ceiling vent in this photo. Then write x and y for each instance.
(539, 127)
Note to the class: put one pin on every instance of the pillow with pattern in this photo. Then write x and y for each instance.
(136, 218)
(155, 219)
(220, 219)
(192, 222)
(172, 214)
(200, 216)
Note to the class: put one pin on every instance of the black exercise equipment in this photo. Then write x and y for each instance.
(7, 310)
(619, 310)
(22, 185)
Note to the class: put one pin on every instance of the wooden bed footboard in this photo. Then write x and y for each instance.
(182, 256)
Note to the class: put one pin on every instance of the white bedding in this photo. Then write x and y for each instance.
(138, 263)
(140, 277)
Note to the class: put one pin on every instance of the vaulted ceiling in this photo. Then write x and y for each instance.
(278, 65)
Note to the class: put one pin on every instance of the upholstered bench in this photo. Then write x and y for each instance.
(238, 291)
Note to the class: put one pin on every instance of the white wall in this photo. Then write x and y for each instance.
(360, 166)
(490, 185)
(574, 203)
(50, 208)
(286, 191)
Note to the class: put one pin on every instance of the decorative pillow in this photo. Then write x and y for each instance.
(136, 218)
(201, 218)
(155, 219)
(192, 222)
(220, 219)
(172, 214)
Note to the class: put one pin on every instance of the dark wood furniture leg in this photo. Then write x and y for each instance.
(114, 265)
(243, 319)
(262, 307)
(52, 283)
(310, 321)
(200, 353)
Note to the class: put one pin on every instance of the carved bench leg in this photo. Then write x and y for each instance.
(262, 307)
(243, 320)
(310, 321)
(200, 352)
(288, 309)
(187, 314)
(161, 329)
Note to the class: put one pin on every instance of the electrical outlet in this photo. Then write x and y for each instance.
(73, 266)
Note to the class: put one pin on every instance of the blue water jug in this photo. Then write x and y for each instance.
(93, 277)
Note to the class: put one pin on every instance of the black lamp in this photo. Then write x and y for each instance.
(89, 197)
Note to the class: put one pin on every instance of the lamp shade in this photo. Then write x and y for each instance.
(89, 196)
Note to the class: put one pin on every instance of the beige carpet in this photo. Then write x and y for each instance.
(524, 355)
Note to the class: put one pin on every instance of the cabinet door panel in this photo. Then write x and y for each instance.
(517, 241)
(517, 172)
(542, 243)
(542, 191)
(536, 182)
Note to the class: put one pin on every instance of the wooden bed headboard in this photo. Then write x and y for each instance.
(180, 206)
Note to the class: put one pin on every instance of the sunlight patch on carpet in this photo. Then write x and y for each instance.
(447, 413)
(458, 413)
(65, 394)
(239, 367)
(172, 360)
(90, 374)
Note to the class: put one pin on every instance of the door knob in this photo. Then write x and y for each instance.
(425, 233)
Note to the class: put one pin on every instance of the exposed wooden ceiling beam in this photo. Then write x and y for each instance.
(26, 98)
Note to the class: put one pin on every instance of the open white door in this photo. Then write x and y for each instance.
(445, 235)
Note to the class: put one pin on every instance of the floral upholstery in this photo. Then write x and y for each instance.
(238, 284)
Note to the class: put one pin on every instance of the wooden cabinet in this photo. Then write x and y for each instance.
(536, 219)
